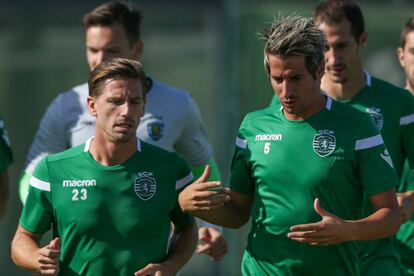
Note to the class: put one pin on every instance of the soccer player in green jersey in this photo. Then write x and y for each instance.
(405, 236)
(171, 121)
(301, 171)
(390, 107)
(111, 200)
(6, 158)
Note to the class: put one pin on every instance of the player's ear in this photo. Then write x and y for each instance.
(400, 54)
(91, 102)
(137, 49)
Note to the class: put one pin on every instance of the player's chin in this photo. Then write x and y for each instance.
(122, 137)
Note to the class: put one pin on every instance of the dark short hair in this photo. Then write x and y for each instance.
(295, 36)
(334, 11)
(408, 28)
(114, 69)
(112, 13)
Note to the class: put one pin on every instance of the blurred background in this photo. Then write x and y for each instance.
(209, 48)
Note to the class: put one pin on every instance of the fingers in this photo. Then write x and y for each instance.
(306, 227)
(204, 234)
(206, 174)
(150, 269)
(215, 245)
(55, 244)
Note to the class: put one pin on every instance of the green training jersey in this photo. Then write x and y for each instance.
(392, 110)
(6, 156)
(112, 220)
(336, 155)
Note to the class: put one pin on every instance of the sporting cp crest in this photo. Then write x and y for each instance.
(145, 185)
(376, 116)
(156, 129)
(324, 143)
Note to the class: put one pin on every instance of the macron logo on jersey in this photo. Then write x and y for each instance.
(269, 137)
(79, 183)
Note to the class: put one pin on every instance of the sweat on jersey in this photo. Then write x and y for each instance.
(336, 155)
(6, 156)
(112, 220)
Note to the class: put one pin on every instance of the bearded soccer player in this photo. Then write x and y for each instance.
(299, 172)
(391, 108)
(6, 158)
(111, 200)
(171, 121)
(405, 236)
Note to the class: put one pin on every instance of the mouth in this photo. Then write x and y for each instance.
(123, 126)
(336, 69)
(289, 102)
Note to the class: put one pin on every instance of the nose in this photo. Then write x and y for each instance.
(127, 109)
(331, 56)
(286, 89)
(100, 57)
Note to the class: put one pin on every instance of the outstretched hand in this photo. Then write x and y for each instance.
(330, 230)
(202, 195)
(48, 258)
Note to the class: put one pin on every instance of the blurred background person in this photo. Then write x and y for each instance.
(405, 236)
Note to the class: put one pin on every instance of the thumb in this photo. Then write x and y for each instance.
(206, 174)
(318, 208)
(55, 244)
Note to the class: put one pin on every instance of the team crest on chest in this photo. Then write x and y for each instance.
(145, 185)
(324, 143)
(155, 128)
(376, 116)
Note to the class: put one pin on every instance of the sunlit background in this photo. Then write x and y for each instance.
(209, 48)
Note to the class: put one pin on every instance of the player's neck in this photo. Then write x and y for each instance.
(109, 153)
(409, 87)
(344, 90)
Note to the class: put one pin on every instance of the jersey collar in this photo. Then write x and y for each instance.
(88, 144)
(368, 78)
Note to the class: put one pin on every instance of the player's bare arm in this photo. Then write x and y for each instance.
(223, 207)
(385, 221)
(27, 254)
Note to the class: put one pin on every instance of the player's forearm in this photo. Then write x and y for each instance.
(228, 216)
(25, 251)
(382, 223)
(4, 192)
(182, 247)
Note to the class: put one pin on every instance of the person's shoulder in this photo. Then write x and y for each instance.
(261, 113)
(66, 154)
(77, 91)
(347, 111)
(161, 89)
(390, 89)
(157, 153)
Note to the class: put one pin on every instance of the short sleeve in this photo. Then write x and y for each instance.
(375, 167)
(241, 180)
(37, 214)
(184, 177)
(407, 125)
